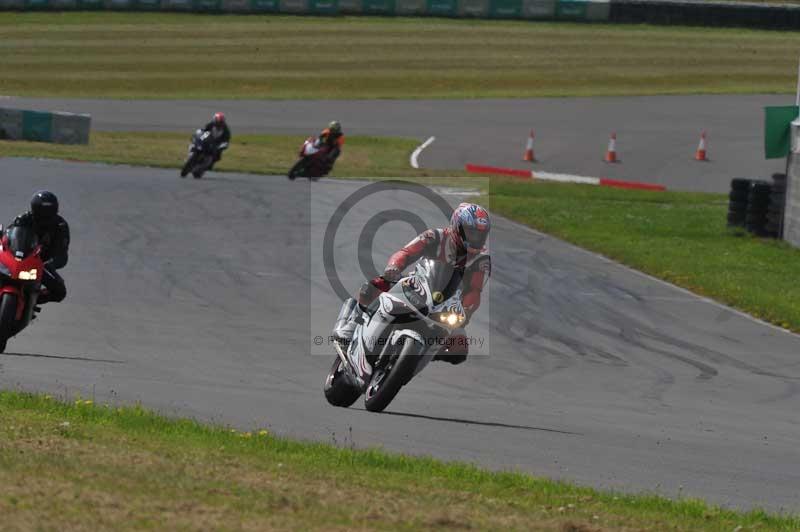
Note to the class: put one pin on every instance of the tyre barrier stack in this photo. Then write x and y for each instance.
(757, 206)
(737, 202)
(777, 206)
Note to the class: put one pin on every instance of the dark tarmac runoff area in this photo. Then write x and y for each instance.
(656, 135)
(203, 298)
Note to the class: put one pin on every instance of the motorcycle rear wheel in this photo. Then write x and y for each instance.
(8, 315)
(338, 391)
(379, 395)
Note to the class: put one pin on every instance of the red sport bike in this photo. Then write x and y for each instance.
(21, 270)
(313, 162)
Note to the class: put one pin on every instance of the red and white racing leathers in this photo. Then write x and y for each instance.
(437, 244)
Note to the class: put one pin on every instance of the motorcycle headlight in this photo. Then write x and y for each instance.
(28, 275)
(451, 319)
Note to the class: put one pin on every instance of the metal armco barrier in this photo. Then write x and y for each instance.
(573, 10)
(61, 128)
(791, 214)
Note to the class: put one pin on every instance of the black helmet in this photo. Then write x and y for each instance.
(44, 205)
(335, 127)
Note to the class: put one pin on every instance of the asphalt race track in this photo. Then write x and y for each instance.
(194, 297)
(657, 135)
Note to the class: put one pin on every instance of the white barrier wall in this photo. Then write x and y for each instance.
(791, 217)
(41, 126)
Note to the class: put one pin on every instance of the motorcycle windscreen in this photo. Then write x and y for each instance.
(21, 241)
(443, 278)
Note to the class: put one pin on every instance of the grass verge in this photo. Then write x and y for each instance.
(680, 237)
(83, 466)
(161, 55)
(262, 154)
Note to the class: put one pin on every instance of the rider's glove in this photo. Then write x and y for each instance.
(371, 289)
(24, 219)
(392, 273)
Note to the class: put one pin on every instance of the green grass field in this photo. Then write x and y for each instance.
(159, 55)
(81, 466)
(260, 154)
(680, 237)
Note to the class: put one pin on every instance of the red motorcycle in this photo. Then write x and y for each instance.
(313, 162)
(21, 270)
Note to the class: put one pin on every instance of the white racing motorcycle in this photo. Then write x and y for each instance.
(397, 336)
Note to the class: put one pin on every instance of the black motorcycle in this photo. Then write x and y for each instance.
(201, 154)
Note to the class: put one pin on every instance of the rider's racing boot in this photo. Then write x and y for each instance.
(346, 321)
(456, 348)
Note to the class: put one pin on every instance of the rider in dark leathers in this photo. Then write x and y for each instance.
(221, 135)
(53, 233)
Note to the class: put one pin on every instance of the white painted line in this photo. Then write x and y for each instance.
(415, 153)
(565, 178)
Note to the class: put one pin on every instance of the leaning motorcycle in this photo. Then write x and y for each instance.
(21, 270)
(313, 161)
(396, 337)
(201, 154)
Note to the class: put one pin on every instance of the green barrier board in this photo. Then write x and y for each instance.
(63, 4)
(539, 9)
(294, 6)
(505, 8)
(90, 5)
(323, 7)
(176, 5)
(571, 10)
(236, 6)
(410, 7)
(118, 4)
(349, 6)
(378, 7)
(37, 4)
(37, 126)
(147, 5)
(474, 8)
(264, 6)
(777, 130)
(442, 8)
(207, 5)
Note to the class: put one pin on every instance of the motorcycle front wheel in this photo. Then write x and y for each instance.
(386, 383)
(187, 166)
(338, 391)
(8, 315)
(298, 169)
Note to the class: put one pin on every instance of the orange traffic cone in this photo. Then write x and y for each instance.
(700, 154)
(529, 150)
(611, 153)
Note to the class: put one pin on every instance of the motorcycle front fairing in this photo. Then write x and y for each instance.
(21, 268)
(401, 314)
